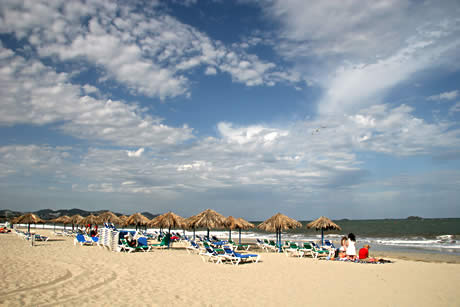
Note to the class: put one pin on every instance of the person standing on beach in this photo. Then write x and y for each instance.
(351, 249)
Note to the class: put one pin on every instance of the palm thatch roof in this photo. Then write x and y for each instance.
(323, 223)
(76, 219)
(209, 219)
(279, 222)
(64, 219)
(108, 216)
(237, 223)
(14, 220)
(245, 224)
(29, 218)
(90, 219)
(136, 219)
(123, 217)
(168, 220)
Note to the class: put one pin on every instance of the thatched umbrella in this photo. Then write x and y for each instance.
(64, 219)
(168, 220)
(136, 219)
(207, 219)
(76, 220)
(90, 219)
(244, 225)
(29, 218)
(14, 220)
(278, 223)
(237, 223)
(323, 223)
(107, 216)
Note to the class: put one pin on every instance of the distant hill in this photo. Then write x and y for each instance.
(149, 215)
(7, 214)
(48, 214)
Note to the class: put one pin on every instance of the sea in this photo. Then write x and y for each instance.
(403, 235)
(400, 235)
(427, 235)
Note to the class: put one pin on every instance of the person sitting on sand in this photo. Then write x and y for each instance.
(343, 248)
(351, 249)
(131, 241)
(4, 230)
(364, 252)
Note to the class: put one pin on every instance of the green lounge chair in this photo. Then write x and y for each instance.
(293, 250)
(307, 249)
(240, 246)
(164, 242)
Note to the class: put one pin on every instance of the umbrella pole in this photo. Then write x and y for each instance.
(322, 237)
(54, 227)
(28, 228)
(276, 236)
(169, 230)
(240, 236)
(193, 234)
(280, 242)
(208, 235)
(230, 235)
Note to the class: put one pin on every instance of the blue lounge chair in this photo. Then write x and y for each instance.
(82, 240)
(143, 245)
(211, 255)
(193, 247)
(238, 258)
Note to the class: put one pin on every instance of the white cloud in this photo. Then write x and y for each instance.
(356, 52)
(210, 71)
(35, 94)
(136, 153)
(148, 51)
(444, 96)
(304, 159)
(30, 160)
(455, 108)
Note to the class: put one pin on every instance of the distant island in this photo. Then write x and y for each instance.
(417, 218)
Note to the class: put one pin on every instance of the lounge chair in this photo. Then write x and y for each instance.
(142, 244)
(272, 246)
(260, 243)
(293, 250)
(307, 249)
(124, 246)
(240, 246)
(95, 240)
(163, 244)
(317, 252)
(40, 238)
(237, 258)
(328, 244)
(82, 240)
(193, 248)
(210, 255)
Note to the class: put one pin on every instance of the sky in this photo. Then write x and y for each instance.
(346, 109)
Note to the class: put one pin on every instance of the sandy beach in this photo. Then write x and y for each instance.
(57, 273)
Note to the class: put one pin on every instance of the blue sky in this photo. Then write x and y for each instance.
(344, 109)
